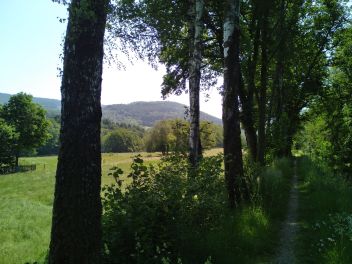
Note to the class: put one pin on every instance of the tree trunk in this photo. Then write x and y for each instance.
(277, 128)
(231, 122)
(263, 89)
(247, 101)
(16, 160)
(194, 83)
(76, 223)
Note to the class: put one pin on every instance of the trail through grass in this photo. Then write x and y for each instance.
(286, 252)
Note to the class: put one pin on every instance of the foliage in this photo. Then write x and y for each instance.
(325, 213)
(313, 139)
(249, 235)
(163, 215)
(146, 114)
(28, 120)
(121, 140)
(152, 217)
(327, 135)
(8, 140)
(107, 125)
(172, 136)
(51, 146)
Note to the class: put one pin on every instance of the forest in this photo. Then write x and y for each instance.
(279, 191)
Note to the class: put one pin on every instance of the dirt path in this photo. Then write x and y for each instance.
(285, 254)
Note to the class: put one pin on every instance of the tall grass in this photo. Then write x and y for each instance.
(326, 215)
(26, 206)
(252, 233)
(248, 235)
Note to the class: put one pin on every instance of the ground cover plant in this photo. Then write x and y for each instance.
(325, 214)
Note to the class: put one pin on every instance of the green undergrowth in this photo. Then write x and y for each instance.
(163, 219)
(325, 214)
(26, 205)
(166, 217)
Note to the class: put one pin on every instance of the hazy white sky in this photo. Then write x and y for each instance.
(31, 44)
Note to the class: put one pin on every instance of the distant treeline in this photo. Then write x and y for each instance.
(165, 136)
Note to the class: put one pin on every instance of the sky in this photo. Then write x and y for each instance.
(30, 55)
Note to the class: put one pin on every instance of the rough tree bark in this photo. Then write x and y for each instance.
(275, 125)
(76, 222)
(247, 100)
(231, 122)
(263, 89)
(194, 81)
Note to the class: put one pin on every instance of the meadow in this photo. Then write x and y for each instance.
(26, 204)
(253, 233)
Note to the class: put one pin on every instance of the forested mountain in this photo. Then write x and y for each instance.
(147, 113)
(52, 106)
(137, 113)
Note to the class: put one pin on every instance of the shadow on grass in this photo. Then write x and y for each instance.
(325, 215)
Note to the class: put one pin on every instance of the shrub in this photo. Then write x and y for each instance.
(151, 220)
(172, 214)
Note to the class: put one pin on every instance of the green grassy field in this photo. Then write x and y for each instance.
(26, 204)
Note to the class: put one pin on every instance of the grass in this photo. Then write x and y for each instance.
(249, 235)
(26, 205)
(325, 215)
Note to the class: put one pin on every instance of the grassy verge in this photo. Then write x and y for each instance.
(325, 214)
(249, 235)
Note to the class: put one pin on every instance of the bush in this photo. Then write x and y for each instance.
(171, 214)
(152, 219)
(121, 140)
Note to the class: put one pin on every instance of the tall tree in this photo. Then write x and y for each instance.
(262, 100)
(194, 80)
(28, 120)
(76, 223)
(247, 95)
(231, 122)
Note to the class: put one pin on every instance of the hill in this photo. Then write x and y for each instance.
(137, 113)
(147, 113)
(52, 106)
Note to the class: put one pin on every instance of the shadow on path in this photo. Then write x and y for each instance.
(285, 254)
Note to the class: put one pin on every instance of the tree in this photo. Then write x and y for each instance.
(121, 140)
(327, 132)
(231, 121)
(51, 146)
(180, 47)
(76, 223)
(211, 135)
(262, 100)
(159, 137)
(8, 139)
(195, 34)
(28, 120)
